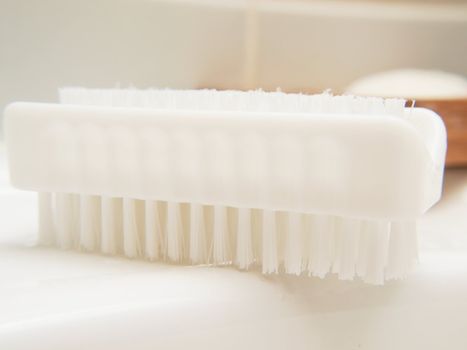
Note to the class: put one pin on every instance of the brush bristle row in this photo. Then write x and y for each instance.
(217, 235)
(228, 100)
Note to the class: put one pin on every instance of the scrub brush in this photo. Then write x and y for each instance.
(289, 182)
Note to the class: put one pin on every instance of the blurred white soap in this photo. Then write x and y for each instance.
(411, 83)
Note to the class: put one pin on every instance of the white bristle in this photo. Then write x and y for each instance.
(131, 235)
(46, 219)
(348, 231)
(321, 245)
(294, 244)
(198, 239)
(244, 254)
(373, 257)
(336, 246)
(153, 231)
(216, 234)
(67, 220)
(90, 222)
(112, 225)
(220, 239)
(374, 250)
(269, 237)
(175, 241)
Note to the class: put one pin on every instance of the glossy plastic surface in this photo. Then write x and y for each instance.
(354, 166)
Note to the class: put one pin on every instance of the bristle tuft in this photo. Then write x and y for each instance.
(245, 255)
(294, 244)
(131, 230)
(67, 220)
(269, 236)
(153, 231)
(112, 225)
(174, 232)
(220, 241)
(90, 222)
(198, 239)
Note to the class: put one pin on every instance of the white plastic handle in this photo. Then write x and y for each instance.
(363, 166)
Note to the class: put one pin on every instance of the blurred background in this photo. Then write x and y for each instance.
(295, 45)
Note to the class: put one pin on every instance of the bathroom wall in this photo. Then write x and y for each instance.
(101, 43)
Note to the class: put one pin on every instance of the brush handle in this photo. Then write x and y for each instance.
(362, 166)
